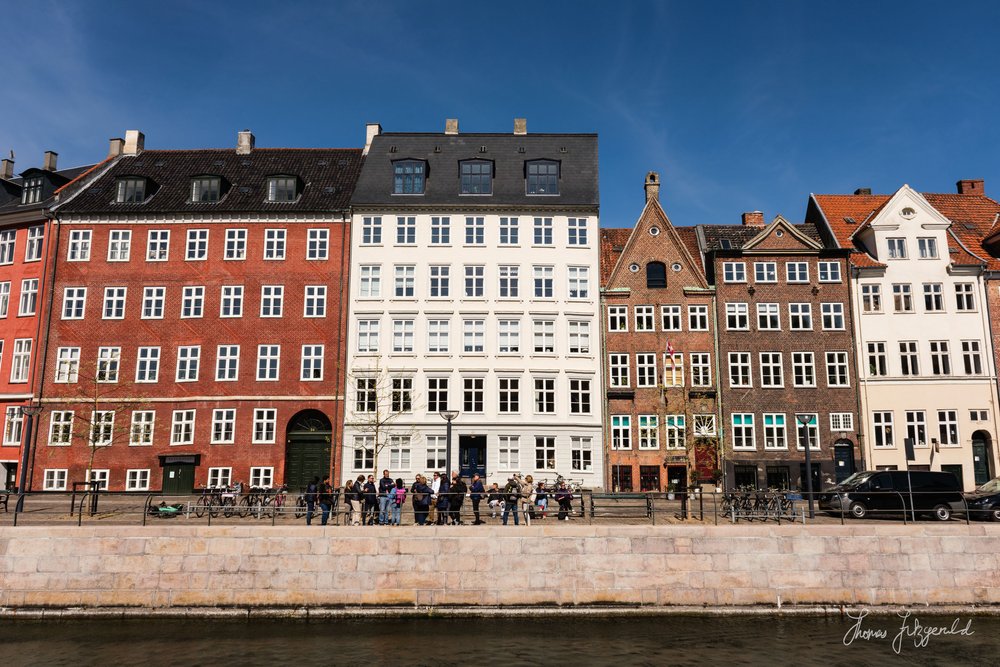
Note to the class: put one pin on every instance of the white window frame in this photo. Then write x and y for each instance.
(734, 272)
(158, 245)
(196, 248)
(227, 363)
(119, 245)
(265, 424)
(268, 362)
(78, 247)
(312, 363)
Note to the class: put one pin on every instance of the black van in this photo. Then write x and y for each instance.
(881, 492)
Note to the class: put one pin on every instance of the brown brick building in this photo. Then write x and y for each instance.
(197, 319)
(657, 319)
(785, 350)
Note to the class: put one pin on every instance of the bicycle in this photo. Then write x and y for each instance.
(210, 501)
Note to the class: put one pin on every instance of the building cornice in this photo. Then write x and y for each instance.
(233, 218)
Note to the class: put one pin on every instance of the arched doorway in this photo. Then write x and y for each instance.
(307, 452)
(843, 460)
(982, 456)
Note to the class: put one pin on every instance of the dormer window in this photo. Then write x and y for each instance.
(477, 177)
(32, 192)
(408, 177)
(131, 190)
(282, 188)
(206, 189)
(542, 177)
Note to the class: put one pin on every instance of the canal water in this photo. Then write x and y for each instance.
(553, 642)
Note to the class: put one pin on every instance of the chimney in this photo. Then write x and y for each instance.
(451, 126)
(49, 163)
(975, 186)
(115, 147)
(372, 130)
(6, 169)
(652, 186)
(244, 142)
(753, 219)
(520, 126)
(135, 142)
(863, 191)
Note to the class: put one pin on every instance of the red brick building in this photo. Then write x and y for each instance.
(25, 235)
(785, 350)
(660, 391)
(197, 319)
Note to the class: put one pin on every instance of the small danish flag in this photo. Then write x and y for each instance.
(670, 348)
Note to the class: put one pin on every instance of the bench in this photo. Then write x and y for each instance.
(620, 505)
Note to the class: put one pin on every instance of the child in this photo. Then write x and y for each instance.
(495, 500)
(398, 498)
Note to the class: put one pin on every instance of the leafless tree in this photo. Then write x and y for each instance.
(100, 413)
(379, 400)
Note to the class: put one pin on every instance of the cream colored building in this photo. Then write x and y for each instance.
(922, 333)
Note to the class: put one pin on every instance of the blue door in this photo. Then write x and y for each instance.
(472, 456)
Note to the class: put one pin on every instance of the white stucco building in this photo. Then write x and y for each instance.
(474, 287)
(922, 330)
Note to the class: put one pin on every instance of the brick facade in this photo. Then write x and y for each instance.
(242, 252)
(289, 395)
(675, 405)
(25, 270)
(763, 444)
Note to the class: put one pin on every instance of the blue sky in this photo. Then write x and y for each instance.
(739, 106)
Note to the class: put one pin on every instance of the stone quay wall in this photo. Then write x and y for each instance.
(175, 567)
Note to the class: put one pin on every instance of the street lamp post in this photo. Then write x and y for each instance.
(30, 411)
(449, 416)
(804, 420)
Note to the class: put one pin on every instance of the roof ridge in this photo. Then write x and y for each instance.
(233, 150)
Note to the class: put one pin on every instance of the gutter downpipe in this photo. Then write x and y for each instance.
(605, 403)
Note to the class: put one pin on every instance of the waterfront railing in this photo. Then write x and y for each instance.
(92, 506)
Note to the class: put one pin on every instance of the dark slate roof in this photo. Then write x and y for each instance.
(737, 235)
(54, 181)
(578, 169)
(327, 177)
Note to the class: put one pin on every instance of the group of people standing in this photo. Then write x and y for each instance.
(437, 501)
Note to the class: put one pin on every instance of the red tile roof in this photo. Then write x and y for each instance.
(972, 215)
(689, 236)
(613, 240)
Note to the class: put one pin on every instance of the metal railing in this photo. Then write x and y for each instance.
(92, 506)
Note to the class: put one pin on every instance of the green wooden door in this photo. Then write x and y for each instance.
(308, 452)
(178, 478)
